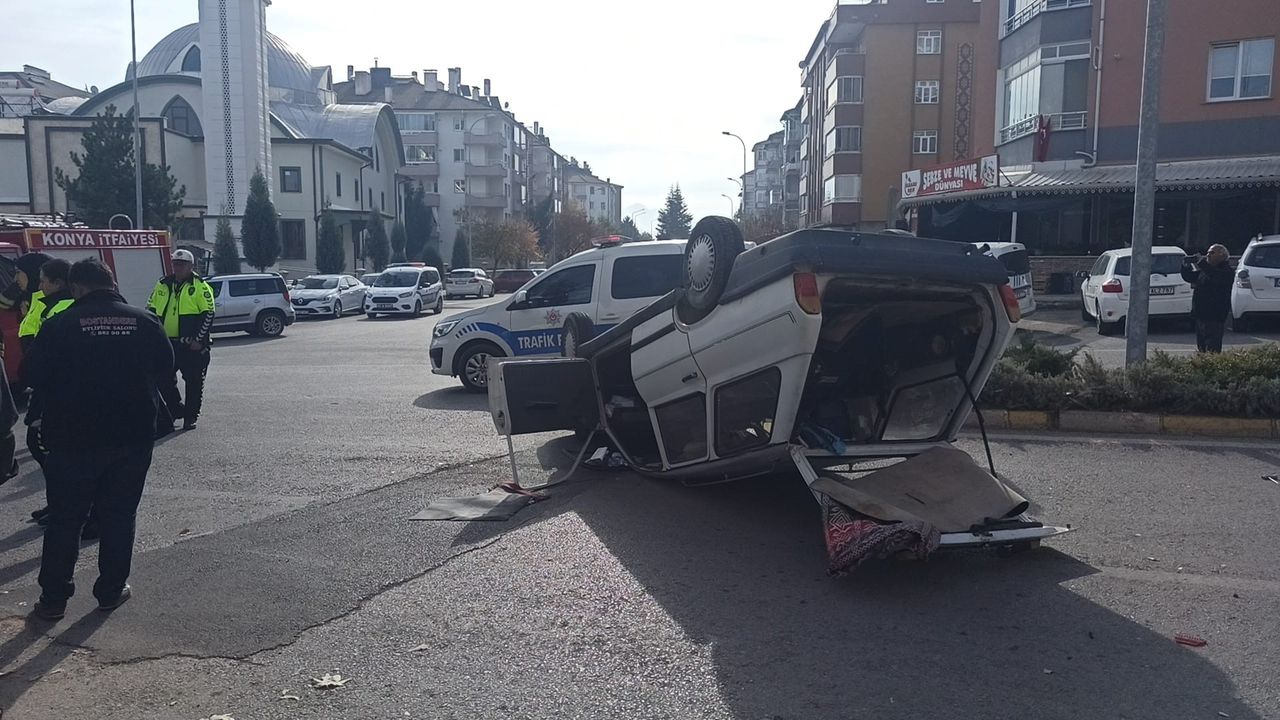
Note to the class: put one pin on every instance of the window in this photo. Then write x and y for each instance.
(745, 411)
(847, 138)
(370, 205)
(419, 154)
(927, 92)
(433, 186)
(1261, 256)
(337, 184)
(646, 276)
(1100, 267)
(382, 200)
(291, 179)
(459, 123)
(1022, 97)
(931, 2)
(180, 117)
(846, 89)
(842, 188)
(683, 425)
(924, 142)
(255, 286)
(416, 122)
(459, 154)
(928, 42)
(460, 185)
(1241, 70)
(191, 61)
(377, 164)
(1161, 264)
(570, 286)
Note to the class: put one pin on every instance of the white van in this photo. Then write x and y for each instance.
(1014, 258)
(607, 284)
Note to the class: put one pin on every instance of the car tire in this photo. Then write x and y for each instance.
(371, 315)
(270, 323)
(472, 366)
(439, 308)
(578, 329)
(1239, 324)
(337, 309)
(1084, 312)
(708, 259)
(417, 307)
(1108, 328)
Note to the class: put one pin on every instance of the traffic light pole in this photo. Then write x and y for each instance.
(1144, 196)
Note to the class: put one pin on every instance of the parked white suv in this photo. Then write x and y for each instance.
(604, 285)
(254, 303)
(1257, 289)
(468, 281)
(1104, 292)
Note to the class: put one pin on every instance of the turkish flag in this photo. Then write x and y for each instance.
(1043, 129)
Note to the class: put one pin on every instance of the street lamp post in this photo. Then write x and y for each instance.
(466, 183)
(137, 128)
(726, 197)
(744, 168)
(637, 214)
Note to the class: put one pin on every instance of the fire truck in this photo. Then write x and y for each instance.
(137, 257)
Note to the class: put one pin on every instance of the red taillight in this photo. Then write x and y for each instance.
(807, 296)
(1112, 286)
(285, 290)
(1242, 280)
(1011, 307)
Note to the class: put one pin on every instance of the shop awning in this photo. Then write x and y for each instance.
(1216, 174)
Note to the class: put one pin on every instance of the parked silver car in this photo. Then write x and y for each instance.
(255, 303)
(328, 295)
(468, 281)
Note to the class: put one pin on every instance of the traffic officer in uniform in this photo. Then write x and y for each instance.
(95, 367)
(184, 304)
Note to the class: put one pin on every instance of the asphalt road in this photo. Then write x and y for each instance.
(274, 548)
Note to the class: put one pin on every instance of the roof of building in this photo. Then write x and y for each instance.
(354, 126)
(48, 88)
(285, 67)
(410, 95)
(1207, 174)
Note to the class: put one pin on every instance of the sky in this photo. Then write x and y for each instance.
(642, 94)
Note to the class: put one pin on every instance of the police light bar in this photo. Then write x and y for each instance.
(610, 240)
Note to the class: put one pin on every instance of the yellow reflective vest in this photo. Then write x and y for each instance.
(40, 311)
(186, 309)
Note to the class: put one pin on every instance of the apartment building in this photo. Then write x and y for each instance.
(1056, 97)
(600, 199)
(792, 138)
(33, 90)
(461, 143)
(888, 87)
(763, 184)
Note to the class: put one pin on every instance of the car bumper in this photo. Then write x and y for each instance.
(316, 309)
(1244, 302)
(1116, 307)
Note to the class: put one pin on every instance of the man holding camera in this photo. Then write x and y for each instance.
(1211, 278)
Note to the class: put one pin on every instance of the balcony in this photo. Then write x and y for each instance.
(421, 169)
(1057, 121)
(486, 170)
(486, 201)
(432, 199)
(485, 138)
(1026, 14)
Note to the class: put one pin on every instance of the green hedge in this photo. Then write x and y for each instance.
(1237, 383)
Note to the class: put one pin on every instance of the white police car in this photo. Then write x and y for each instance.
(606, 284)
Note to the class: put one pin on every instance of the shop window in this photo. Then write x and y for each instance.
(745, 412)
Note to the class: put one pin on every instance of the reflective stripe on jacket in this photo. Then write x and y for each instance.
(186, 309)
(42, 310)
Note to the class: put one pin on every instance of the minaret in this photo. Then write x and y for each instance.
(237, 128)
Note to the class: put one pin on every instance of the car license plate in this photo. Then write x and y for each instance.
(1162, 290)
(384, 307)
(1021, 293)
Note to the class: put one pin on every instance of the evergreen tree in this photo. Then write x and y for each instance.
(431, 256)
(330, 259)
(419, 223)
(379, 247)
(226, 254)
(542, 217)
(629, 228)
(397, 242)
(674, 220)
(104, 184)
(259, 232)
(461, 254)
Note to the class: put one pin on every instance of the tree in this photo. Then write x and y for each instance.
(104, 184)
(226, 254)
(542, 215)
(259, 232)
(510, 243)
(419, 223)
(397, 242)
(674, 220)
(330, 259)
(461, 255)
(574, 231)
(379, 247)
(629, 228)
(431, 256)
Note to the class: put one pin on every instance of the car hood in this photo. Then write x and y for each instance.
(312, 294)
(390, 290)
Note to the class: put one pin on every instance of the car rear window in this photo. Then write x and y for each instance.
(1016, 262)
(515, 274)
(1161, 264)
(255, 286)
(462, 274)
(646, 275)
(216, 287)
(1263, 256)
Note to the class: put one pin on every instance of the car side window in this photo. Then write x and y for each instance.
(216, 288)
(433, 277)
(1100, 266)
(646, 276)
(243, 288)
(570, 286)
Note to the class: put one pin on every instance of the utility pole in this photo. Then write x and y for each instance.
(1144, 196)
(137, 127)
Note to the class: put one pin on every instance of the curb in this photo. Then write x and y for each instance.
(1126, 423)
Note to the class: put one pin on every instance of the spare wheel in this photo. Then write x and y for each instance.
(708, 260)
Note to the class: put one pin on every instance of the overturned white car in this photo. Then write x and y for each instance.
(855, 357)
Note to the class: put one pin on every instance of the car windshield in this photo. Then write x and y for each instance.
(393, 278)
(462, 274)
(1161, 264)
(1016, 262)
(1263, 256)
(319, 283)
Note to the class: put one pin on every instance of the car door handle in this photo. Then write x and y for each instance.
(690, 376)
(257, 301)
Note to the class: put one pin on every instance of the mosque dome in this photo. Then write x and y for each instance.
(288, 74)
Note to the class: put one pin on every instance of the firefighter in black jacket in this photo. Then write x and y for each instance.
(95, 366)
(184, 304)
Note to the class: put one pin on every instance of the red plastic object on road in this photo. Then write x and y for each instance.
(1190, 640)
